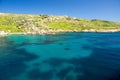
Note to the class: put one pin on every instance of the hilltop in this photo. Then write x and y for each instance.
(45, 24)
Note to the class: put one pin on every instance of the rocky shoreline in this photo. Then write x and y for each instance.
(43, 32)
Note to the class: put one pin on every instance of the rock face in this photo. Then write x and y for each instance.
(2, 33)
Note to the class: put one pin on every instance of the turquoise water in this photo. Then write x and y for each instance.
(68, 56)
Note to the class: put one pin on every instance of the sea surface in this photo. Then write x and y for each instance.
(64, 56)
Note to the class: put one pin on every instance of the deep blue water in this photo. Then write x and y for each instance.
(68, 56)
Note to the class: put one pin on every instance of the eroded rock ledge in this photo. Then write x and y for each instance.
(44, 32)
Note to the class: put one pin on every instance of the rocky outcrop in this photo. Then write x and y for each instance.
(3, 33)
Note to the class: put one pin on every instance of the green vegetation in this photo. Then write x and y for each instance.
(37, 23)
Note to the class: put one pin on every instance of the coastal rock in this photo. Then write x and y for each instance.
(3, 33)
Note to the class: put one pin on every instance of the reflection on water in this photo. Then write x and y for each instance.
(69, 56)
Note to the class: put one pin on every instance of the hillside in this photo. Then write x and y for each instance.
(21, 23)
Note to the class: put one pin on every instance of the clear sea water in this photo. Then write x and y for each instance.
(65, 56)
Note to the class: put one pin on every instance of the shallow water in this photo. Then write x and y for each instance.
(68, 56)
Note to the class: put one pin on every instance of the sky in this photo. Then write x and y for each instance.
(89, 9)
